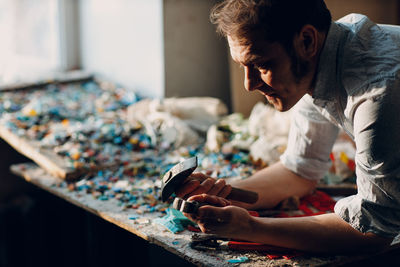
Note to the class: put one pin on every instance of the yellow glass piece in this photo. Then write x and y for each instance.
(133, 141)
(31, 112)
(344, 158)
(76, 156)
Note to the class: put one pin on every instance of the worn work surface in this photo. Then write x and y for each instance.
(143, 226)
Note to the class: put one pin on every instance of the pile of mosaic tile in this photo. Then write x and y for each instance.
(80, 122)
(85, 123)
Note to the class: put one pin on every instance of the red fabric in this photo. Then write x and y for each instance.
(193, 229)
(254, 213)
(351, 164)
(320, 201)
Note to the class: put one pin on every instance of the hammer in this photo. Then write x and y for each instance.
(178, 173)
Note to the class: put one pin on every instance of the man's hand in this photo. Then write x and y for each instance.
(220, 217)
(199, 183)
(273, 184)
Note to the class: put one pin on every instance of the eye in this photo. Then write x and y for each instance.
(262, 70)
(262, 67)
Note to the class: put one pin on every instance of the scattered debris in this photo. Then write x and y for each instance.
(174, 221)
(238, 260)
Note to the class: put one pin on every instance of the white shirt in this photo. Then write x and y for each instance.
(357, 89)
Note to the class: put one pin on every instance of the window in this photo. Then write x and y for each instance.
(32, 35)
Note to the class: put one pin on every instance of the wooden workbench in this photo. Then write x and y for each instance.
(178, 244)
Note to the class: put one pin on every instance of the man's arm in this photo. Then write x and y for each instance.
(274, 184)
(322, 233)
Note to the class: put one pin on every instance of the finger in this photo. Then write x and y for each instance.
(195, 176)
(199, 176)
(210, 199)
(204, 187)
(187, 188)
(218, 186)
(204, 198)
(225, 191)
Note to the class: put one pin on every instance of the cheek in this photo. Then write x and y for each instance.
(276, 79)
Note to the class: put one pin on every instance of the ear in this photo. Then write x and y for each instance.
(306, 42)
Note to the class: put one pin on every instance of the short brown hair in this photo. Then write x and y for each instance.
(272, 20)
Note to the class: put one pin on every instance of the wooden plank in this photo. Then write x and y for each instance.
(47, 159)
(175, 243)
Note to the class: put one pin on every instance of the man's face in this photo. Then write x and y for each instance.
(268, 68)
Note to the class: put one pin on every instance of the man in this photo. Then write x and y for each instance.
(341, 75)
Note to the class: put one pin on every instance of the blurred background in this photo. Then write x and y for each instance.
(160, 48)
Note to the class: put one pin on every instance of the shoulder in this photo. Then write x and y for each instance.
(355, 21)
(309, 110)
(370, 53)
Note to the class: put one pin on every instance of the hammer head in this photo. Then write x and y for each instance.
(176, 175)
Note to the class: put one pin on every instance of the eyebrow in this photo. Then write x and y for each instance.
(253, 60)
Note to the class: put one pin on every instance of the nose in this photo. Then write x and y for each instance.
(252, 79)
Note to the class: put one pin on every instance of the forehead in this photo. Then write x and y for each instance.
(256, 51)
(238, 51)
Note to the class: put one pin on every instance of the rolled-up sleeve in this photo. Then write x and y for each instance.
(311, 138)
(376, 207)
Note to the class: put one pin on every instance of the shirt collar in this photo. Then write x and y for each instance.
(327, 71)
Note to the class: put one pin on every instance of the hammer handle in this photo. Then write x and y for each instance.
(243, 195)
